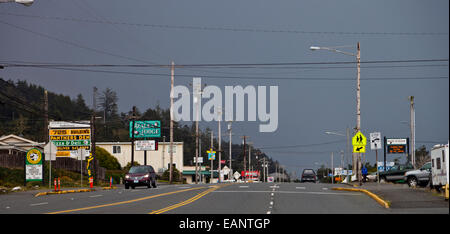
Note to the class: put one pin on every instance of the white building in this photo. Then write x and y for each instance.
(159, 159)
(12, 144)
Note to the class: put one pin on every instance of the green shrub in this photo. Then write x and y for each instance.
(106, 160)
(175, 175)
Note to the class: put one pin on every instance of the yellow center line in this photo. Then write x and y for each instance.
(190, 200)
(124, 202)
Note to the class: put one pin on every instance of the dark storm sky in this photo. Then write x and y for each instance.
(158, 32)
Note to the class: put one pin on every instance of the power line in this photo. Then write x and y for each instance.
(218, 65)
(73, 43)
(244, 77)
(305, 145)
(229, 29)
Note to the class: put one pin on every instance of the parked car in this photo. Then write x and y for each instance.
(308, 175)
(395, 173)
(372, 176)
(419, 177)
(140, 176)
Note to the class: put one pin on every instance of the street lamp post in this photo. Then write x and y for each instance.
(356, 157)
(23, 2)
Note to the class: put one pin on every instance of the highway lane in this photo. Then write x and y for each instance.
(120, 200)
(238, 198)
(282, 198)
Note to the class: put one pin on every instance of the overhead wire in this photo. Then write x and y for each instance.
(223, 28)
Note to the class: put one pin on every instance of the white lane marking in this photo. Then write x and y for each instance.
(271, 203)
(184, 187)
(300, 187)
(318, 193)
(39, 204)
(96, 195)
(271, 194)
(274, 186)
(324, 188)
(243, 186)
(268, 212)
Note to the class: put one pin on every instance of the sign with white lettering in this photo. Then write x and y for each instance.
(151, 145)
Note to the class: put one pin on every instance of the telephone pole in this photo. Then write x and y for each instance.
(245, 162)
(132, 135)
(211, 149)
(413, 131)
(172, 71)
(45, 115)
(94, 103)
(220, 145)
(231, 171)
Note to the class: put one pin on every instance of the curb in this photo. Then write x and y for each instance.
(108, 188)
(382, 202)
(64, 192)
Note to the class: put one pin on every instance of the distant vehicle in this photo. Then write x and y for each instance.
(308, 175)
(439, 166)
(419, 177)
(140, 176)
(372, 176)
(395, 174)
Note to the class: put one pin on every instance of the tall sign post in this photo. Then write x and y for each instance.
(395, 146)
(144, 129)
(211, 157)
(34, 168)
(375, 144)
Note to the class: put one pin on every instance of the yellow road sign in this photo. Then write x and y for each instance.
(359, 139)
(359, 149)
(62, 132)
(211, 154)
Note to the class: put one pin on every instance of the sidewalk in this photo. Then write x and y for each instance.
(401, 196)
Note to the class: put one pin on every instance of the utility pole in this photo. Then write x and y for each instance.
(47, 136)
(220, 145)
(413, 131)
(276, 172)
(211, 149)
(358, 106)
(264, 169)
(172, 71)
(45, 115)
(132, 135)
(197, 102)
(332, 169)
(245, 166)
(94, 103)
(249, 156)
(231, 171)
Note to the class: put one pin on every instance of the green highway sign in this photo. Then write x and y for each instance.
(147, 128)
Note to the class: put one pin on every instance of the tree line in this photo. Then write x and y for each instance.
(22, 114)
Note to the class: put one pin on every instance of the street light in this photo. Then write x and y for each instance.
(23, 2)
(358, 97)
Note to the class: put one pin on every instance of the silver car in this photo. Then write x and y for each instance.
(420, 176)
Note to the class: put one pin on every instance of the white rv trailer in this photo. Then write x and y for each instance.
(439, 166)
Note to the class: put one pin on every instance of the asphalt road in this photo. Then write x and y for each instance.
(238, 198)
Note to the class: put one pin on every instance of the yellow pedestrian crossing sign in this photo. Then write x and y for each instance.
(211, 154)
(359, 149)
(359, 140)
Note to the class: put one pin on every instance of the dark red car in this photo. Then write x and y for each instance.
(140, 176)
